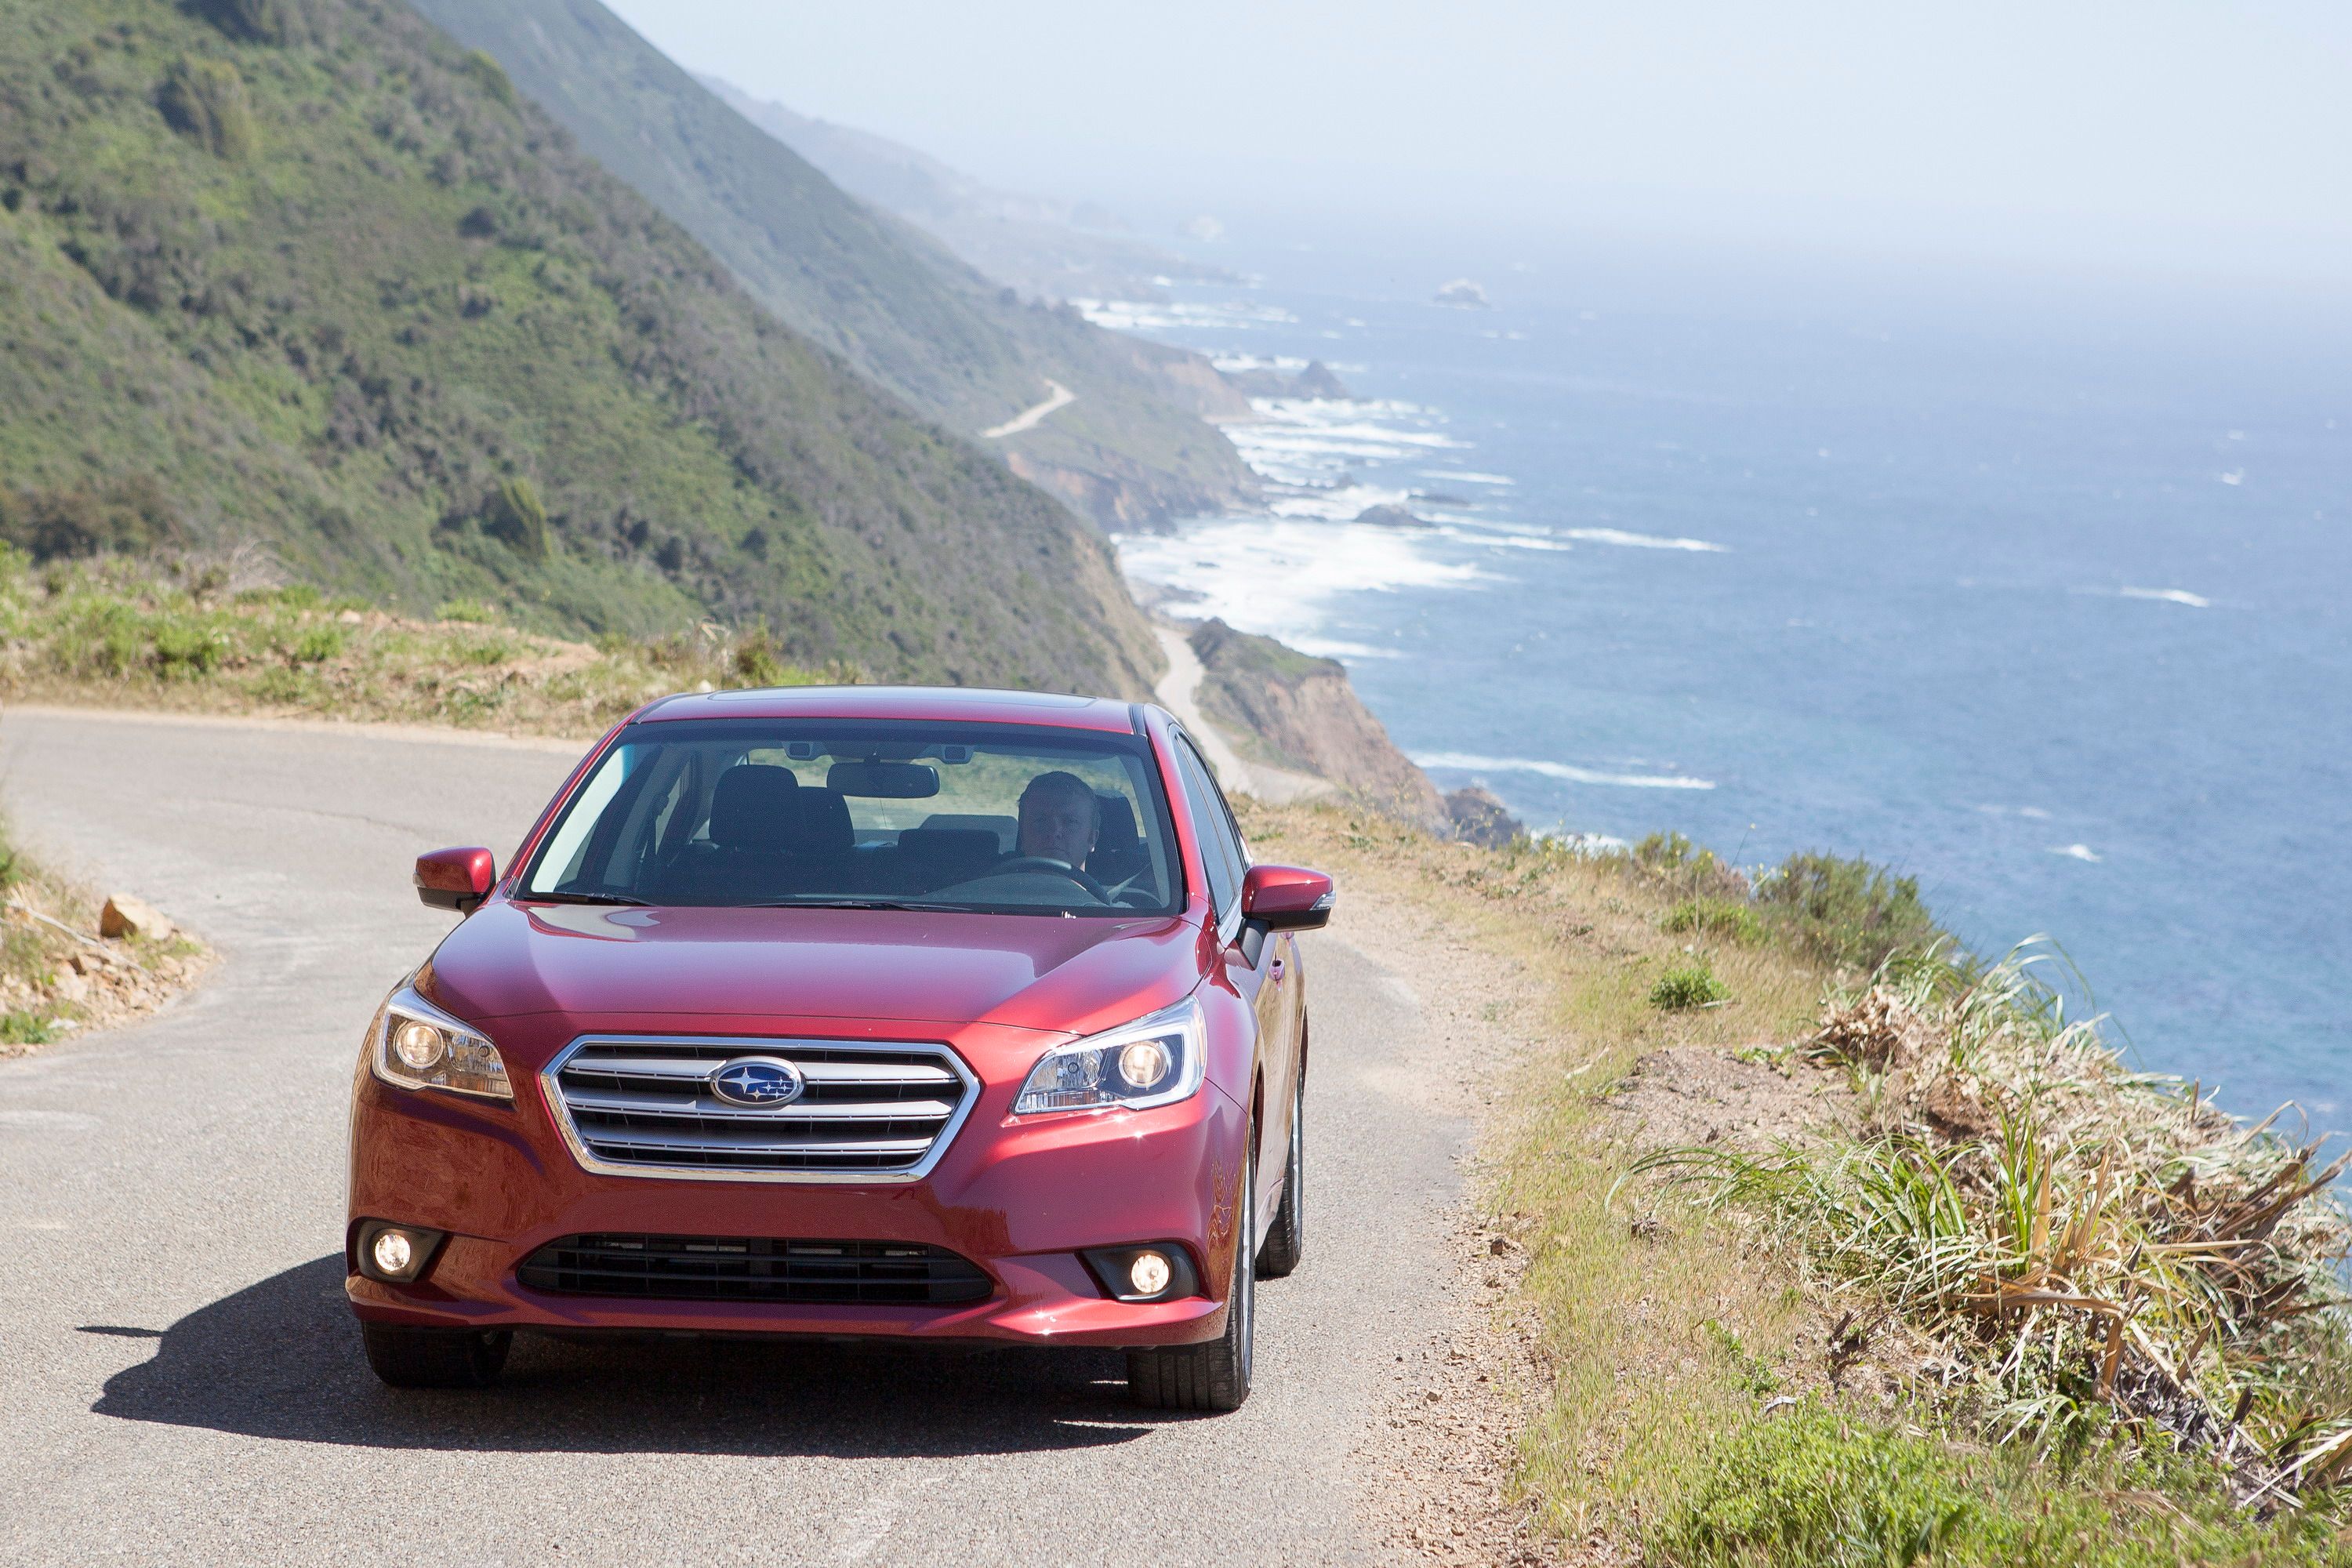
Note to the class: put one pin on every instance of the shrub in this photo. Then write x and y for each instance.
(1672, 860)
(1846, 912)
(128, 516)
(317, 644)
(490, 75)
(205, 100)
(21, 1029)
(1714, 917)
(186, 646)
(1808, 1489)
(514, 513)
(478, 611)
(755, 662)
(1819, 1488)
(262, 21)
(1692, 984)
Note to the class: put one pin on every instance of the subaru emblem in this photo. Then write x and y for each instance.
(759, 1082)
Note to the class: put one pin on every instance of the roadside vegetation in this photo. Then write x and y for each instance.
(69, 961)
(1925, 1273)
(220, 636)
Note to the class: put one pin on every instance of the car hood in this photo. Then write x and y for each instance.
(601, 963)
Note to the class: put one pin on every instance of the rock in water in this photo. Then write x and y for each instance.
(1317, 381)
(1481, 818)
(1389, 515)
(127, 915)
(1465, 294)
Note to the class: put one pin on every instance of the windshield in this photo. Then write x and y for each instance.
(984, 817)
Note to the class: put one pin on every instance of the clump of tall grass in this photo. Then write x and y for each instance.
(2097, 1254)
(1690, 984)
(1720, 918)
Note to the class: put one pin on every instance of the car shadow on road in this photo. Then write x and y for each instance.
(282, 1358)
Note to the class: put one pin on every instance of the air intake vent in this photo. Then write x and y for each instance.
(755, 1269)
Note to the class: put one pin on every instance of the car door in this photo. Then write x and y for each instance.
(1256, 961)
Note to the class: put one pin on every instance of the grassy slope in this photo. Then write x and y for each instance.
(889, 299)
(1663, 1332)
(112, 635)
(411, 288)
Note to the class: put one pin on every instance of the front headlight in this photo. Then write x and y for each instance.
(1153, 1061)
(418, 1046)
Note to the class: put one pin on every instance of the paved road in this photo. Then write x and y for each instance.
(1057, 396)
(180, 1382)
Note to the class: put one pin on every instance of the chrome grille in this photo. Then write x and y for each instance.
(869, 1112)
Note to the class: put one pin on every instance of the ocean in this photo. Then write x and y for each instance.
(2035, 590)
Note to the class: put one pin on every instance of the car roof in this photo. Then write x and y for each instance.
(949, 703)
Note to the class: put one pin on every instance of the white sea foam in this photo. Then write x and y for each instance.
(2076, 852)
(1152, 315)
(1464, 477)
(1642, 541)
(2169, 596)
(2234, 477)
(1468, 763)
(1279, 576)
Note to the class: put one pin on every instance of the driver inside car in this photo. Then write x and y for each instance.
(1060, 815)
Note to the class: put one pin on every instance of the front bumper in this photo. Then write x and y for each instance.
(1019, 1199)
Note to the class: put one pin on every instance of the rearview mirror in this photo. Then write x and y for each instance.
(884, 781)
(1285, 898)
(455, 880)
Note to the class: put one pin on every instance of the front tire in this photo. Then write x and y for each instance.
(1214, 1376)
(1285, 1238)
(404, 1357)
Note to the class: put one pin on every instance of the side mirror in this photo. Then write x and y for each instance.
(455, 880)
(1284, 898)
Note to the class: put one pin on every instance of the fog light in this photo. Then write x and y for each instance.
(419, 1044)
(1143, 1063)
(393, 1251)
(1148, 1273)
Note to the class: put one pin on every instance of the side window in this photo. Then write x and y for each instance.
(1220, 849)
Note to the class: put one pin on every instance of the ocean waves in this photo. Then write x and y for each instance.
(1567, 772)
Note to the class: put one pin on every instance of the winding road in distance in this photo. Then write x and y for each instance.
(180, 1382)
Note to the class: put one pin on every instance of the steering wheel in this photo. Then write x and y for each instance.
(1041, 863)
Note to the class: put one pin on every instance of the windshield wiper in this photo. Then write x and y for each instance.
(586, 898)
(821, 903)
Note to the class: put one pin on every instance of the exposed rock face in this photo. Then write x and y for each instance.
(1317, 382)
(1299, 712)
(1480, 818)
(1389, 515)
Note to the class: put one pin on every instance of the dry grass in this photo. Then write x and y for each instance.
(197, 640)
(1691, 1358)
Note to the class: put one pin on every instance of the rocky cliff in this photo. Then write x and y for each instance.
(1299, 712)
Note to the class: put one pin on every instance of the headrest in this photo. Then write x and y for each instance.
(752, 807)
(1118, 829)
(821, 823)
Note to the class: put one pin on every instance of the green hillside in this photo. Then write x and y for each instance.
(308, 274)
(888, 296)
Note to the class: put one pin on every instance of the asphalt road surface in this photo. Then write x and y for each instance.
(181, 1382)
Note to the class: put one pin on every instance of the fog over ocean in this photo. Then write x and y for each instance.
(2034, 591)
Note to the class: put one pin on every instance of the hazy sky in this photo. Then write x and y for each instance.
(2194, 136)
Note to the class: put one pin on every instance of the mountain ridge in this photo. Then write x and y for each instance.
(958, 347)
(324, 281)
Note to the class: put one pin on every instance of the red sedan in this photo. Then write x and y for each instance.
(914, 1014)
